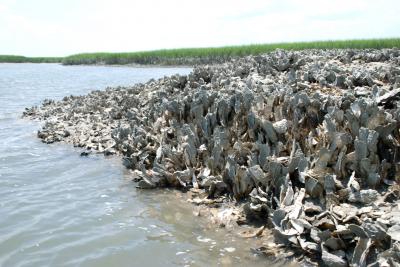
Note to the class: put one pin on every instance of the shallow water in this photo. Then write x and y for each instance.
(60, 209)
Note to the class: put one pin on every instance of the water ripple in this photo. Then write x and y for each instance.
(59, 209)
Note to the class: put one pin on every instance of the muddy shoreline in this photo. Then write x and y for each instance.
(306, 144)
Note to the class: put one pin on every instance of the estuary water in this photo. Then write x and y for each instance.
(60, 209)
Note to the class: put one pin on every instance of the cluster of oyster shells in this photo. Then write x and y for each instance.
(308, 140)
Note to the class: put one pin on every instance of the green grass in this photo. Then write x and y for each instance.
(191, 56)
(22, 59)
(218, 54)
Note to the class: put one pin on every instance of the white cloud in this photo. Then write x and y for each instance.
(122, 25)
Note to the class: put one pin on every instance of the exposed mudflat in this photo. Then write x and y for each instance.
(306, 144)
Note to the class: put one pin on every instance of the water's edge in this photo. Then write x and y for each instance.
(60, 209)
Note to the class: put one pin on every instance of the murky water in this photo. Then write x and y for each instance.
(60, 209)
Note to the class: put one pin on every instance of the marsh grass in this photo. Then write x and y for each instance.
(191, 56)
(218, 54)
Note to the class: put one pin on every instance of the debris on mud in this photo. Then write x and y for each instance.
(307, 142)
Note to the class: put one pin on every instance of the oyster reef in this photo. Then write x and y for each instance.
(305, 143)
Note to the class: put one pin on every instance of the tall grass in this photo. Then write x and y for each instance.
(190, 56)
(218, 54)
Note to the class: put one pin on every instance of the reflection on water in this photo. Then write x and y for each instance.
(59, 209)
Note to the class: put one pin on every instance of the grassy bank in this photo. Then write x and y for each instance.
(191, 56)
(22, 59)
(217, 54)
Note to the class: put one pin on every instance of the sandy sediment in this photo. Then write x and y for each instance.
(306, 144)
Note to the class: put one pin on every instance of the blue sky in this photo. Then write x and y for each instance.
(63, 27)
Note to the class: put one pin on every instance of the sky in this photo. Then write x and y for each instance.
(65, 27)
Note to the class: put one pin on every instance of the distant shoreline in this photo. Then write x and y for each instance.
(22, 59)
(107, 65)
(196, 56)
